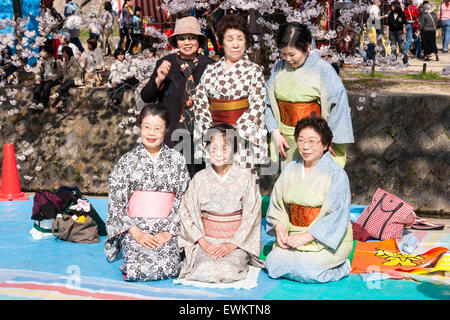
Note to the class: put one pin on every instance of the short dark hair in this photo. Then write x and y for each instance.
(108, 6)
(47, 48)
(227, 131)
(319, 125)
(232, 21)
(118, 51)
(92, 42)
(294, 34)
(67, 50)
(155, 109)
(138, 9)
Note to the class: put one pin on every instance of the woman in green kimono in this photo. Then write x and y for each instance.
(309, 212)
(302, 83)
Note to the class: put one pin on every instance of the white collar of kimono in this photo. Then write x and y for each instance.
(322, 164)
(225, 175)
(237, 63)
(153, 158)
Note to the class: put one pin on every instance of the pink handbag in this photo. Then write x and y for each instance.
(386, 217)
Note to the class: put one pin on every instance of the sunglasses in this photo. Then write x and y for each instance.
(185, 37)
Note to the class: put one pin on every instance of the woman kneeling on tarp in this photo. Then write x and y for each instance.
(309, 212)
(145, 189)
(221, 215)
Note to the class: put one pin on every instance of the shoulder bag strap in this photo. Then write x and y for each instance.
(432, 20)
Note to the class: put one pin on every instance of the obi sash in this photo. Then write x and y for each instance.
(150, 204)
(292, 112)
(303, 216)
(227, 111)
(221, 226)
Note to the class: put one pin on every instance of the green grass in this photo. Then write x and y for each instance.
(427, 76)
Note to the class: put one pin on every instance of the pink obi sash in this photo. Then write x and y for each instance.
(150, 204)
(221, 226)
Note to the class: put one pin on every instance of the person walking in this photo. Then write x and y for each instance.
(428, 24)
(397, 30)
(444, 16)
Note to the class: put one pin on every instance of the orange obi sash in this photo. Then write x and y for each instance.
(292, 112)
(221, 226)
(303, 216)
(150, 204)
(227, 111)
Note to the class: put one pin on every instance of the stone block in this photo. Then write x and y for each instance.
(424, 141)
(393, 152)
(435, 129)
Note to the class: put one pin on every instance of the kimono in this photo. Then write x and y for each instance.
(323, 196)
(137, 171)
(244, 80)
(315, 81)
(208, 192)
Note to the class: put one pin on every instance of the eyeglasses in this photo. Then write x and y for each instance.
(185, 37)
(154, 129)
(311, 142)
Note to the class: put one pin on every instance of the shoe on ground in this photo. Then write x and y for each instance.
(40, 106)
(59, 105)
(32, 106)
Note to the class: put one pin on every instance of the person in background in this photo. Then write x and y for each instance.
(70, 9)
(44, 79)
(444, 16)
(412, 23)
(92, 63)
(397, 30)
(66, 43)
(375, 20)
(118, 81)
(428, 26)
(69, 72)
(127, 23)
(94, 26)
(107, 20)
(136, 36)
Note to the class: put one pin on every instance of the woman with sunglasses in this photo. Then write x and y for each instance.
(173, 84)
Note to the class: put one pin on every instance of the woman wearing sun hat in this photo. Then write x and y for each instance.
(173, 83)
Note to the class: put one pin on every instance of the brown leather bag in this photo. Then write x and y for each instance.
(75, 230)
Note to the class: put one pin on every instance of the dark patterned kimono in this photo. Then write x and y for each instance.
(137, 171)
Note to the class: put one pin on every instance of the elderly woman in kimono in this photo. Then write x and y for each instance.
(221, 216)
(232, 91)
(309, 212)
(145, 189)
(302, 83)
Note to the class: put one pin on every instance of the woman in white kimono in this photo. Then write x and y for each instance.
(309, 212)
(145, 189)
(221, 216)
(232, 91)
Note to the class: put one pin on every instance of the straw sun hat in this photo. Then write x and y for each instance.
(187, 25)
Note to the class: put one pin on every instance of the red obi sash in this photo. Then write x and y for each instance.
(292, 112)
(303, 216)
(150, 204)
(227, 111)
(221, 226)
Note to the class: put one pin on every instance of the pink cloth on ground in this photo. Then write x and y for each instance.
(150, 204)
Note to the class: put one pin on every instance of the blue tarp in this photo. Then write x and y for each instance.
(30, 8)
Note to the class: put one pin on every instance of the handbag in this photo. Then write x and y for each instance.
(80, 223)
(72, 228)
(387, 216)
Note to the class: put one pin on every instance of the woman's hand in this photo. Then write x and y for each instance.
(223, 249)
(162, 72)
(281, 235)
(280, 142)
(163, 237)
(207, 246)
(144, 239)
(299, 239)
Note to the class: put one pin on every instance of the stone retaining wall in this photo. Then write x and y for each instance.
(402, 144)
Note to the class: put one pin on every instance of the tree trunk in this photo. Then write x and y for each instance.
(17, 9)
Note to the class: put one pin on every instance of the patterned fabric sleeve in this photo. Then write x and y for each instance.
(330, 229)
(189, 213)
(203, 119)
(118, 221)
(183, 182)
(333, 97)
(248, 235)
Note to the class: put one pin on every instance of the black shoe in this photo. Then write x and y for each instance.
(426, 59)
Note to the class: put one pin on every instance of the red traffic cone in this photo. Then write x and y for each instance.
(10, 188)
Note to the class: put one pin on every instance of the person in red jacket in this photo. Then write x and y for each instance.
(412, 23)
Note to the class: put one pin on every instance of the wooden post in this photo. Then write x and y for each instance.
(424, 68)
